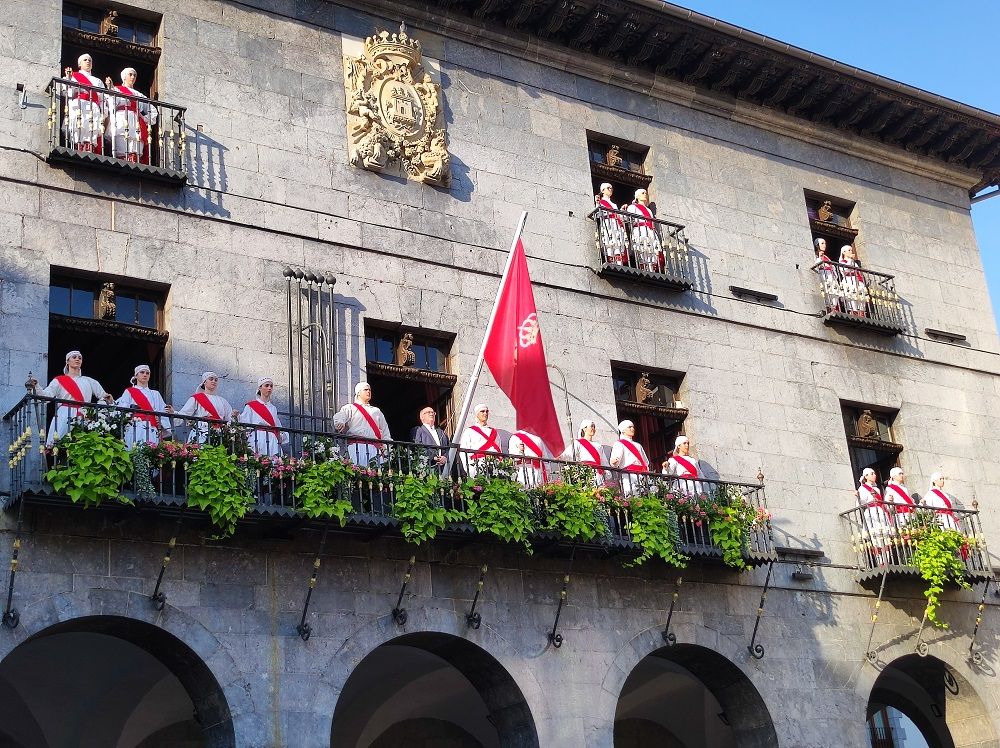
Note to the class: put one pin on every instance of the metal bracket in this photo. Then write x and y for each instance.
(975, 656)
(10, 615)
(472, 618)
(556, 639)
(756, 650)
(159, 598)
(304, 629)
(870, 654)
(669, 637)
(399, 614)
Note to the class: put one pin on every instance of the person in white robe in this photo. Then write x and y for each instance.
(611, 226)
(267, 438)
(70, 385)
(877, 517)
(206, 403)
(852, 283)
(586, 450)
(898, 495)
(479, 441)
(85, 103)
(629, 456)
(942, 503)
(645, 235)
(684, 468)
(364, 426)
(531, 469)
(144, 428)
(130, 120)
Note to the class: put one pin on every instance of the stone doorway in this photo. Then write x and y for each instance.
(108, 680)
(435, 689)
(687, 696)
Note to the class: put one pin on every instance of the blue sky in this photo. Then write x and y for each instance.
(946, 48)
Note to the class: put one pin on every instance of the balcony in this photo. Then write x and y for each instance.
(886, 541)
(855, 297)
(642, 250)
(370, 497)
(107, 129)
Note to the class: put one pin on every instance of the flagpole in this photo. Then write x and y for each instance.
(478, 369)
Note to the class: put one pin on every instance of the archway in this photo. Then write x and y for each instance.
(687, 696)
(108, 680)
(923, 695)
(434, 689)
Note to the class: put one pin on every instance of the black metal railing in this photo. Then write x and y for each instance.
(644, 248)
(860, 297)
(886, 535)
(174, 441)
(110, 127)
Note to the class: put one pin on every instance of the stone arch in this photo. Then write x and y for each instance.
(712, 661)
(130, 617)
(442, 684)
(937, 698)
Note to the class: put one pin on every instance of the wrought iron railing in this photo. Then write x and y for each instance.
(885, 537)
(861, 297)
(110, 127)
(372, 489)
(646, 248)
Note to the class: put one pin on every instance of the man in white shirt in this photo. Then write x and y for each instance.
(364, 425)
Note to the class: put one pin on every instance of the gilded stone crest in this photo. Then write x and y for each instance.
(394, 118)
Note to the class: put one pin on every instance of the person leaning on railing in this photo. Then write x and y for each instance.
(145, 427)
(205, 403)
(266, 438)
(70, 385)
(587, 451)
(828, 276)
(684, 467)
(853, 283)
(531, 469)
(645, 237)
(84, 122)
(614, 241)
(877, 517)
(479, 441)
(940, 502)
(364, 426)
(130, 120)
(628, 455)
(897, 493)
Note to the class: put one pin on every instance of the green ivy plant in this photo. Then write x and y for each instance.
(97, 466)
(937, 557)
(419, 509)
(317, 490)
(218, 485)
(654, 528)
(142, 471)
(569, 510)
(500, 507)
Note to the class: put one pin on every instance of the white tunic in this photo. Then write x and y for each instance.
(84, 120)
(475, 443)
(531, 472)
(142, 431)
(125, 131)
(263, 441)
(876, 515)
(937, 499)
(612, 231)
(89, 388)
(623, 458)
(904, 504)
(645, 239)
(199, 429)
(577, 452)
(358, 429)
(853, 287)
(682, 476)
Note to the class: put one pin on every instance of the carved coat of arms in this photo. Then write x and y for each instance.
(394, 117)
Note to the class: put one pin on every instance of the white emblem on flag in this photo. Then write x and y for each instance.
(527, 332)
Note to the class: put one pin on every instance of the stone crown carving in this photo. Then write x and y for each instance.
(394, 114)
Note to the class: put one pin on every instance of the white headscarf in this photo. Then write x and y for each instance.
(262, 381)
(71, 353)
(360, 386)
(140, 367)
(204, 378)
(865, 472)
(481, 406)
(128, 70)
(624, 425)
(585, 423)
(681, 440)
(603, 185)
(895, 473)
(843, 249)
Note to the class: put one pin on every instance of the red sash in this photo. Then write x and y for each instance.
(608, 206)
(140, 399)
(371, 421)
(595, 457)
(904, 496)
(947, 502)
(877, 499)
(202, 399)
(533, 446)
(260, 409)
(75, 393)
(87, 94)
(635, 467)
(489, 445)
(692, 470)
(647, 214)
(132, 105)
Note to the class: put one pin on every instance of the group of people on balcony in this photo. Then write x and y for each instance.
(886, 512)
(94, 109)
(632, 239)
(844, 285)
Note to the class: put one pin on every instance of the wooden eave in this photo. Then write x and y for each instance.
(670, 41)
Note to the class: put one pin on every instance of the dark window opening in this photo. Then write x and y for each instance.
(648, 398)
(619, 163)
(830, 220)
(870, 439)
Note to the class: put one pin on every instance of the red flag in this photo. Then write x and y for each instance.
(516, 358)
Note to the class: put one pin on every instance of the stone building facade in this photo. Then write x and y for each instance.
(268, 184)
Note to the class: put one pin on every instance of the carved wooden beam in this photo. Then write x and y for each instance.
(930, 130)
(654, 41)
(522, 13)
(557, 17)
(765, 75)
(880, 119)
(948, 140)
(817, 90)
(903, 127)
(703, 64)
(968, 146)
(986, 156)
(486, 7)
(675, 53)
(590, 27)
(739, 67)
(626, 28)
(792, 81)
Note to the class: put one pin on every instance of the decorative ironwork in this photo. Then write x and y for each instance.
(858, 297)
(555, 638)
(641, 249)
(757, 650)
(975, 656)
(303, 628)
(473, 618)
(159, 598)
(143, 137)
(395, 116)
(399, 614)
(668, 636)
(870, 654)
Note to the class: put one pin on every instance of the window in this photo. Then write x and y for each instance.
(117, 323)
(830, 220)
(619, 163)
(408, 369)
(648, 398)
(870, 439)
